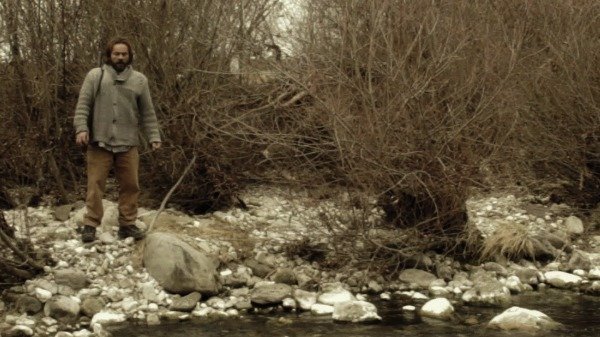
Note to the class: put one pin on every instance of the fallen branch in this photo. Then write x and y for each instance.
(166, 198)
(6, 239)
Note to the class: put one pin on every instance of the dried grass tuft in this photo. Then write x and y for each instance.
(512, 241)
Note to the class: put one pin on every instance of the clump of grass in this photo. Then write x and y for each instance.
(511, 240)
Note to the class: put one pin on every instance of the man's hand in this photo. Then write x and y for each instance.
(156, 145)
(82, 138)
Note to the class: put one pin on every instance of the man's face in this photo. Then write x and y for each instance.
(119, 57)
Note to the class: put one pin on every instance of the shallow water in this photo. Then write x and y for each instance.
(580, 315)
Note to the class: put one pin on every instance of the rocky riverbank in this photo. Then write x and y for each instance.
(228, 263)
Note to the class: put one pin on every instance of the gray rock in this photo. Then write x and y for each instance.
(285, 276)
(270, 294)
(63, 213)
(76, 279)
(236, 280)
(583, 260)
(258, 269)
(186, 303)
(62, 308)
(374, 287)
(522, 319)
(243, 304)
(444, 271)
(574, 225)
(355, 312)
(91, 306)
(44, 284)
(19, 331)
(177, 266)
(488, 292)
(416, 276)
(305, 299)
(592, 288)
(527, 276)
(562, 280)
(107, 238)
(28, 304)
(495, 267)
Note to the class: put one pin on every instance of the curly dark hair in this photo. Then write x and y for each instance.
(112, 43)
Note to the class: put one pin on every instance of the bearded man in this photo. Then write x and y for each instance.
(114, 105)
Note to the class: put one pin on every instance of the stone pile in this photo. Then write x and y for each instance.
(180, 277)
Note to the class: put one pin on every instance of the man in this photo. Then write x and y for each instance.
(114, 104)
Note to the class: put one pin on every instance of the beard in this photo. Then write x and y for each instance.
(119, 66)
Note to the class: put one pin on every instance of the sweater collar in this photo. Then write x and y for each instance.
(119, 77)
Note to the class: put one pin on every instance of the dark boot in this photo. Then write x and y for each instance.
(131, 231)
(88, 234)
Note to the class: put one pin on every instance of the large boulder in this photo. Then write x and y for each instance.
(517, 318)
(178, 267)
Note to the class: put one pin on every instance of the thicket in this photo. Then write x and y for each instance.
(414, 101)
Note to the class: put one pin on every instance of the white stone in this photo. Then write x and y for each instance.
(594, 273)
(409, 308)
(26, 321)
(517, 318)
(579, 272)
(63, 334)
(514, 284)
(574, 225)
(152, 307)
(355, 312)
(305, 299)
(437, 308)
(129, 304)
(22, 330)
(289, 303)
(82, 333)
(48, 321)
(418, 296)
(232, 312)
(203, 312)
(107, 317)
(437, 291)
(335, 296)
(42, 294)
(383, 296)
(321, 309)
(561, 279)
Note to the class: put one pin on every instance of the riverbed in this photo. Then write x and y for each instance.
(580, 315)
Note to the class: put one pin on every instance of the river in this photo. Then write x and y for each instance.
(580, 315)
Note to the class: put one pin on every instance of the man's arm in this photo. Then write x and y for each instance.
(85, 102)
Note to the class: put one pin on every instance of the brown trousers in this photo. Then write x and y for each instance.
(126, 164)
